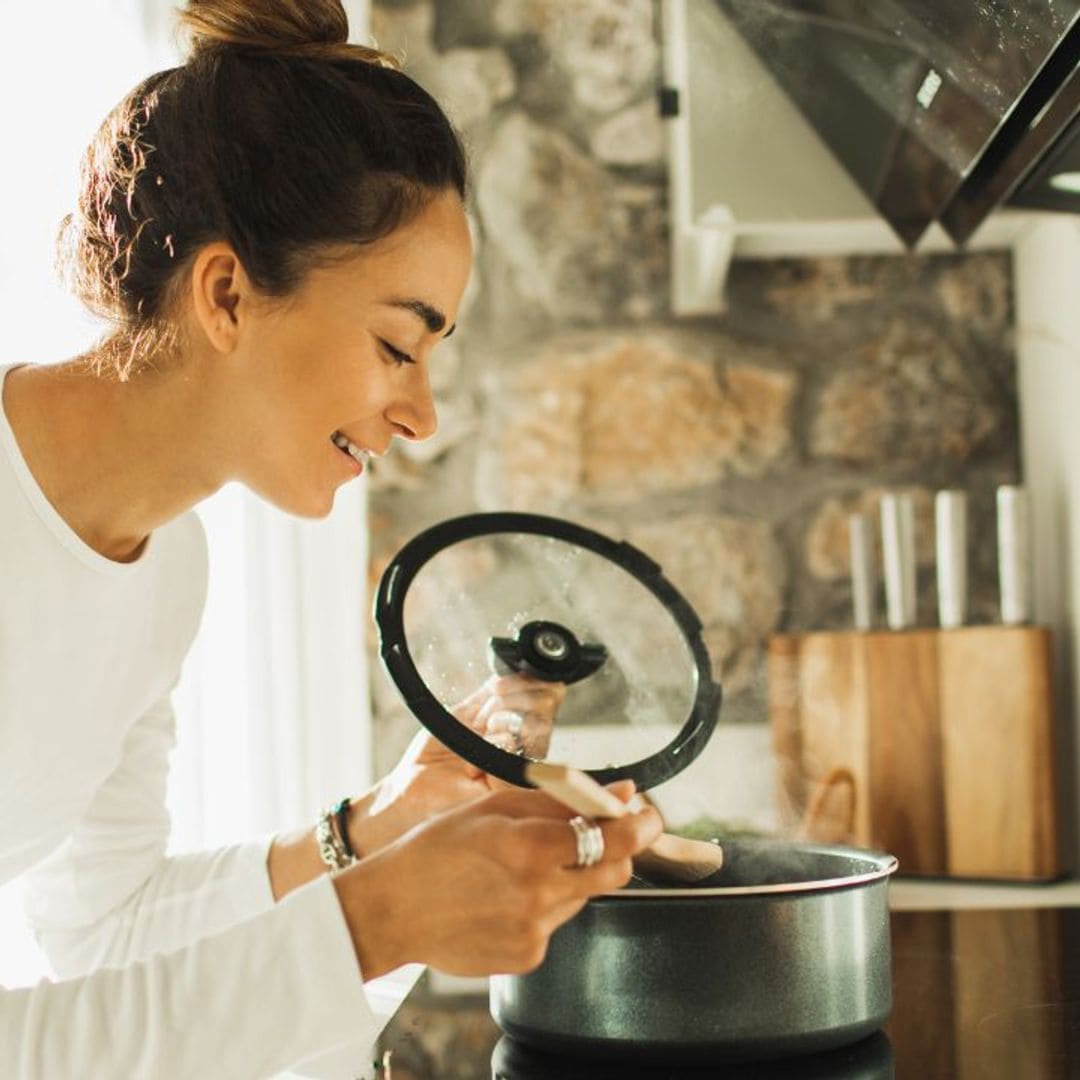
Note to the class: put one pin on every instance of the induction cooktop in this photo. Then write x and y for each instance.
(978, 995)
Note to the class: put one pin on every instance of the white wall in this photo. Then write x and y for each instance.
(1047, 282)
(101, 49)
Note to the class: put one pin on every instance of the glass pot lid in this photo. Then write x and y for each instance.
(493, 594)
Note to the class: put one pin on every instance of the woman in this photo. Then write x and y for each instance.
(276, 230)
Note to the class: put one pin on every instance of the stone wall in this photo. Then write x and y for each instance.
(732, 448)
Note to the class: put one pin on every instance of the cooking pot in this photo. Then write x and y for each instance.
(786, 951)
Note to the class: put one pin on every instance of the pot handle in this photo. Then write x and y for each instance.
(830, 810)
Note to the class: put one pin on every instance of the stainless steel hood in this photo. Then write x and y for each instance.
(940, 110)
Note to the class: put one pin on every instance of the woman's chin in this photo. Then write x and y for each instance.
(310, 508)
(305, 502)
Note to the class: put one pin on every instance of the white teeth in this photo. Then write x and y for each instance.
(343, 443)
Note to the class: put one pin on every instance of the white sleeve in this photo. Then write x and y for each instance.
(249, 1002)
(109, 896)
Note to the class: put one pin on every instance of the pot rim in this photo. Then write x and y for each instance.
(883, 867)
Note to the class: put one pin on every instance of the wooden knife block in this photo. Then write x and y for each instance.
(934, 745)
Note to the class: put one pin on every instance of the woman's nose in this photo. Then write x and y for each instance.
(415, 417)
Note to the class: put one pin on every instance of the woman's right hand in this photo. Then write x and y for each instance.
(430, 778)
(479, 889)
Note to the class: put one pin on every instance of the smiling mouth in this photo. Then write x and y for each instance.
(350, 448)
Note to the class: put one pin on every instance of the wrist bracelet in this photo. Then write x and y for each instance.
(330, 848)
(341, 812)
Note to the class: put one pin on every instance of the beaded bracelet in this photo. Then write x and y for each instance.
(331, 850)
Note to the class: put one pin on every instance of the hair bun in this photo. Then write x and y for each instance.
(282, 26)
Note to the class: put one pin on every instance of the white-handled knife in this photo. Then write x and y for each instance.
(950, 541)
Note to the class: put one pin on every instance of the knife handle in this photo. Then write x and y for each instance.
(898, 544)
(1014, 554)
(950, 538)
(862, 570)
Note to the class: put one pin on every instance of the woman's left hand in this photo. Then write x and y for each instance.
(512, 711)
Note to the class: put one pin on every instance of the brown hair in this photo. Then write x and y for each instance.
(276, 136)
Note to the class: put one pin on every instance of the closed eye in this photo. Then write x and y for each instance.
(396, 355)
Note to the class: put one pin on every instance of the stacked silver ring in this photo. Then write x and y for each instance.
(589, 839)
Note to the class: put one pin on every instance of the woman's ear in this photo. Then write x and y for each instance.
(221, 295)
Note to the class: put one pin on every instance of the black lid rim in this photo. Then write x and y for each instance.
(394, 584)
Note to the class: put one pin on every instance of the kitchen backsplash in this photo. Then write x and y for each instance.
(730, 448)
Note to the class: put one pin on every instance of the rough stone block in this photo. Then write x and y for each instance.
(732, 572)
(908, 395)
(622, 417)
(576, 243)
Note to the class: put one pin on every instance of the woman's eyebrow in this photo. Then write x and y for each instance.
(432, 316)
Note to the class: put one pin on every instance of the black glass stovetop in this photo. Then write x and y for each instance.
(977, 995)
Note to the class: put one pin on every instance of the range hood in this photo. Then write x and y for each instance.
(939, 110)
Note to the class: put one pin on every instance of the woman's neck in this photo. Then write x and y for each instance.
(116, 460)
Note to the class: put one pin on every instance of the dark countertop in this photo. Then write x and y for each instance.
(978, 995)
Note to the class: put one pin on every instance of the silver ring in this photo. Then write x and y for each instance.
(589, 839)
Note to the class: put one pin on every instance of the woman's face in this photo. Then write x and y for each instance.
(348, 354)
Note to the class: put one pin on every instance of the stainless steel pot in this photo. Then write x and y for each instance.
(787, 953)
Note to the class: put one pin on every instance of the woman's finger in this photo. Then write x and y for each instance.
(468, 708)
(556, 840)
(605, 877)
(519, 733)
(516, 682)
(624, 790)
(545, 844)
(539, 703)
(510, 693)
(528, 718)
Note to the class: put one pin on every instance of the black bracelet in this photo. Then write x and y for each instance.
(340, 812)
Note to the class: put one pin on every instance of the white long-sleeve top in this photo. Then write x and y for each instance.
(193, 970)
